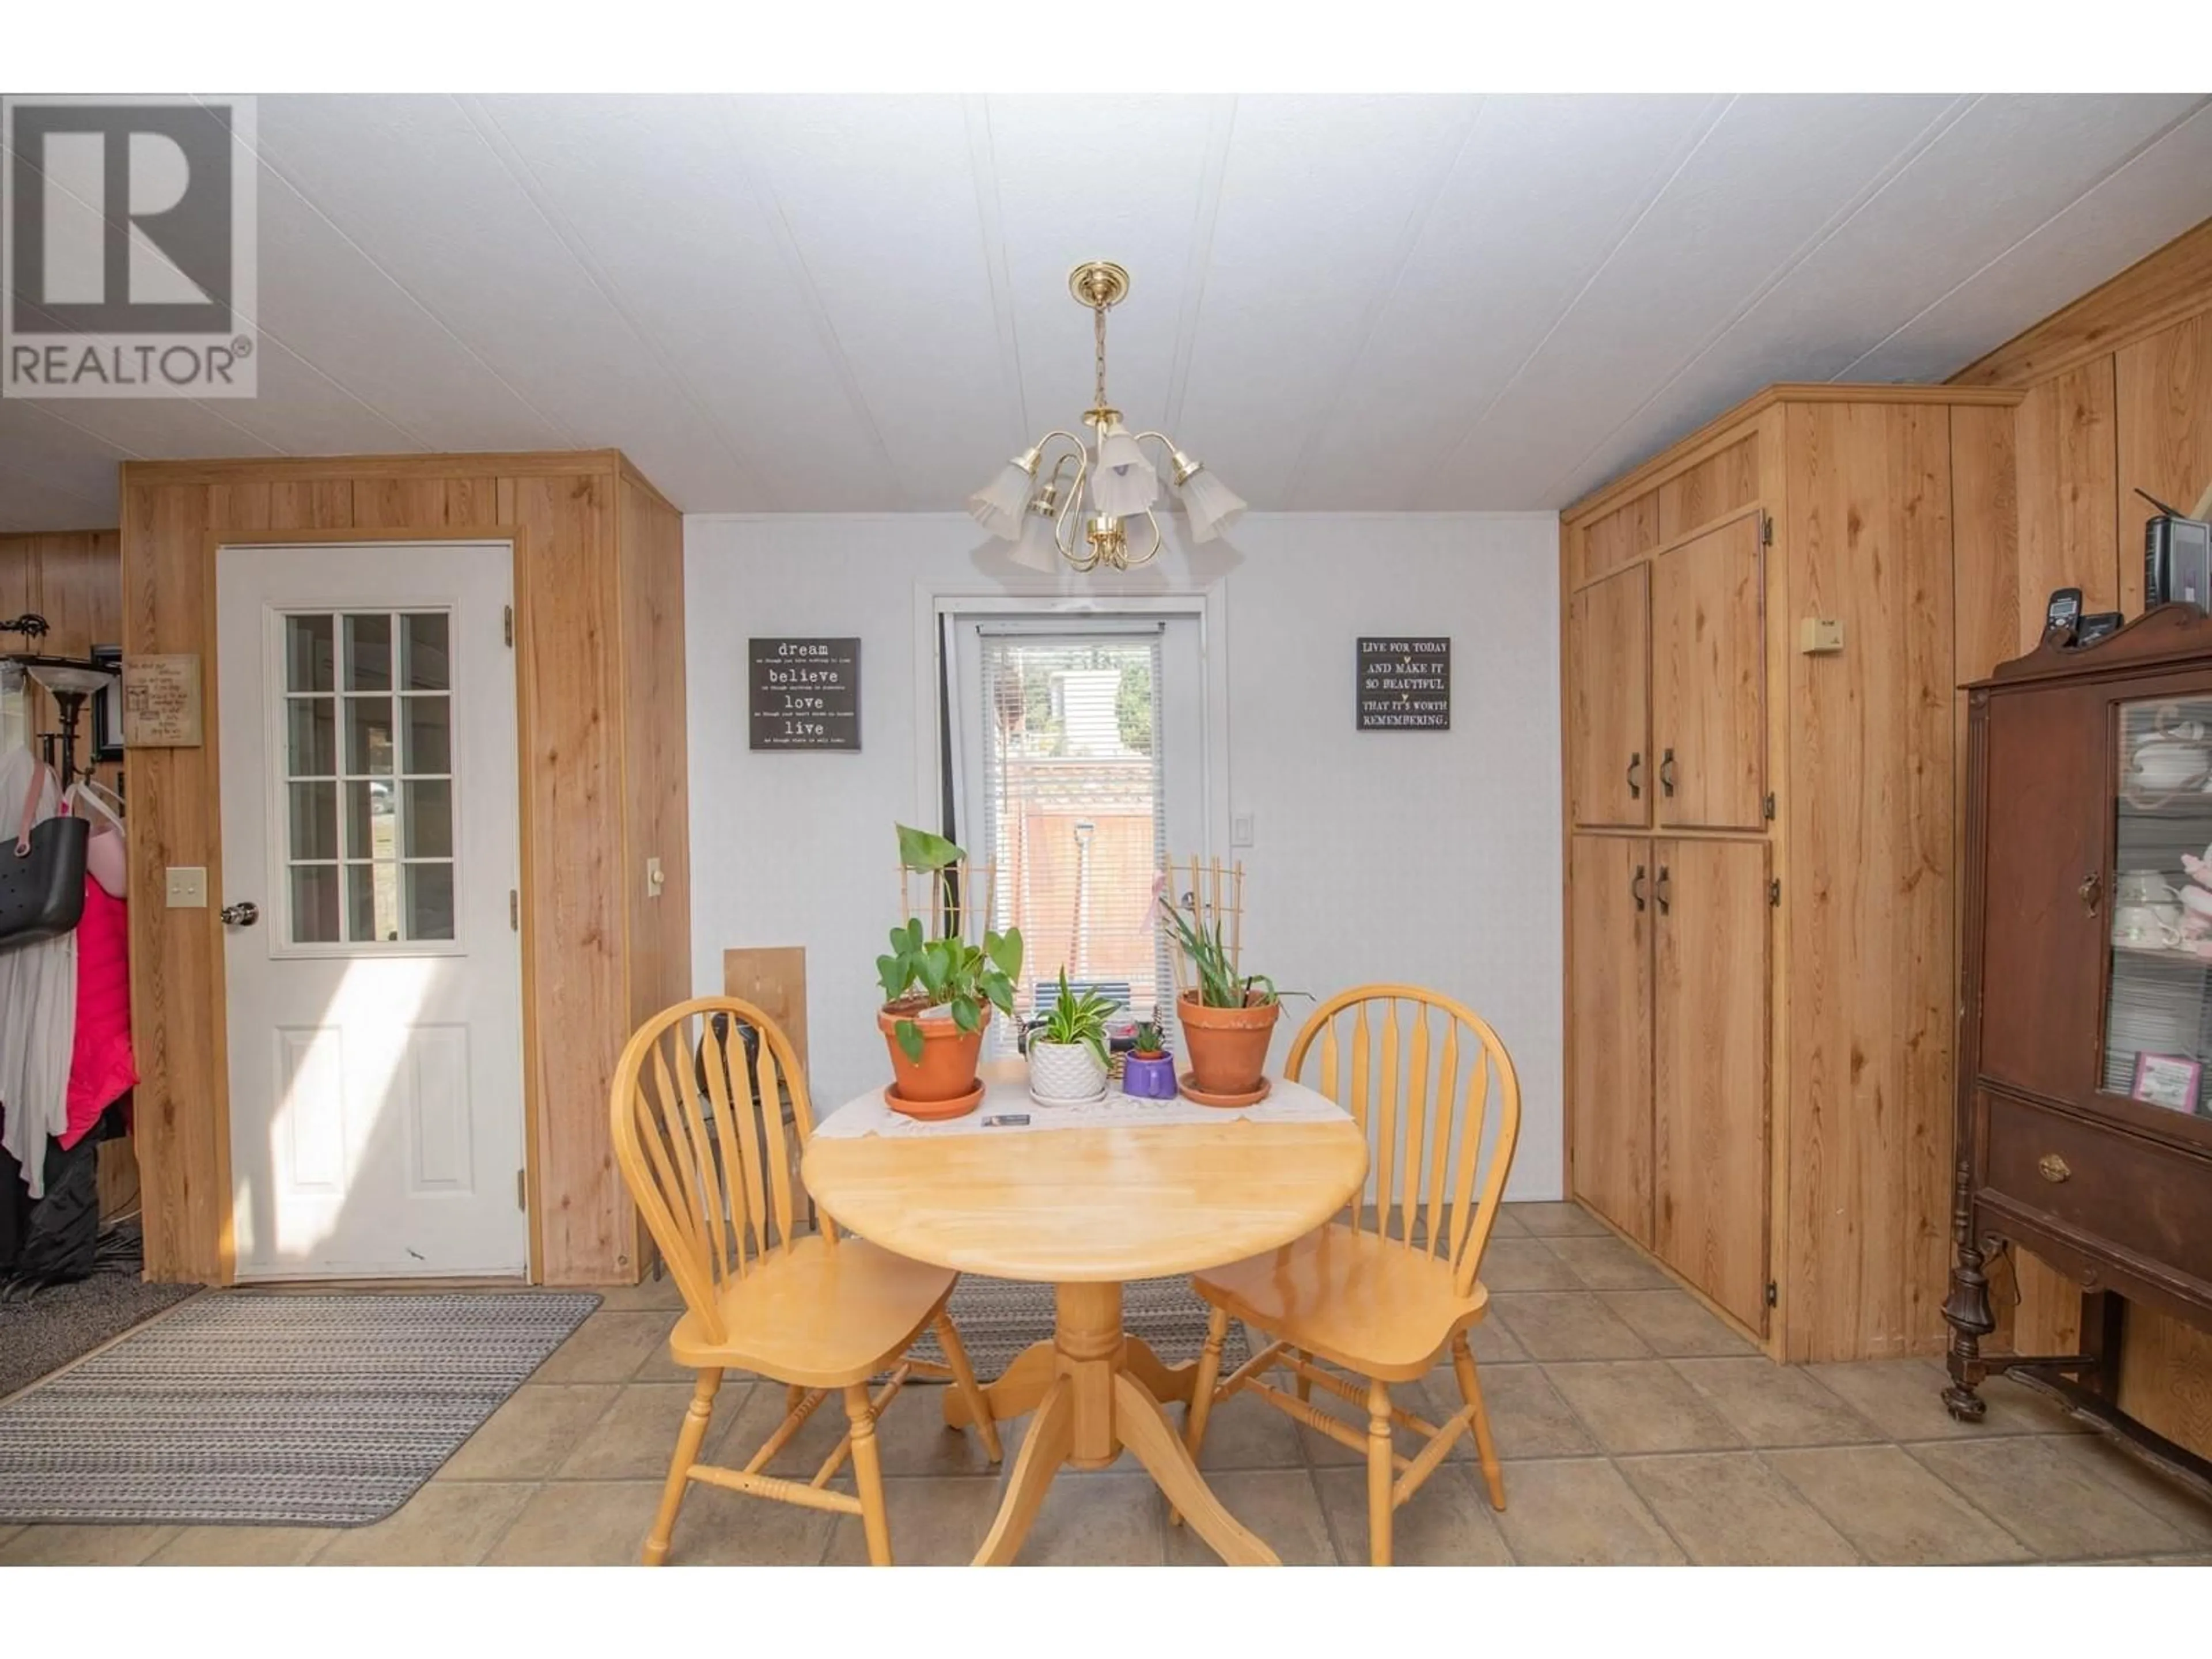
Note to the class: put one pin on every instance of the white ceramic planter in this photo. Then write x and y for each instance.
(1063, 1073)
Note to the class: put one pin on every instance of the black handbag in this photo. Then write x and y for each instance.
(41, 876)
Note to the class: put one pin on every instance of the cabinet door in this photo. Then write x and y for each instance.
(2045, 805)
(1709, 679)
(1712, 928)
(1608, 708)
(1609, 880)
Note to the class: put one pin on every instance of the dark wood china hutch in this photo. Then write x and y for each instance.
(2085, 1051)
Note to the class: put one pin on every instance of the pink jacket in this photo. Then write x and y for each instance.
(100, 1066)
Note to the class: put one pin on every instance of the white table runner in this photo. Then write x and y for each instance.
(867, 1114)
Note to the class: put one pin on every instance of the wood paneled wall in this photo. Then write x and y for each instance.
(73, 579)
(2118, 397)
(598, 599)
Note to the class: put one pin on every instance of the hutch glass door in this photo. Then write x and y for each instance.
(2158, 1010)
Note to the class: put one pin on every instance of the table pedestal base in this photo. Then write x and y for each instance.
(1095, 1391)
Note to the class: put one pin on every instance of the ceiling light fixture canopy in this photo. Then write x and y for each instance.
(1080, 509)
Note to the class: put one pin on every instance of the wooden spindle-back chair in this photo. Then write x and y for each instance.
(700, 1140)
(1383, 1292)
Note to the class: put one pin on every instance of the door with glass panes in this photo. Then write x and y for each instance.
(371, 913)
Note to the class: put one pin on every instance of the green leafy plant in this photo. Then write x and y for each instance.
(941, 967)
(1219, 984)
(1071, 1019)
(1149, 1043)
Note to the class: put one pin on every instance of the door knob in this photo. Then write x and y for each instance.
(244, 913)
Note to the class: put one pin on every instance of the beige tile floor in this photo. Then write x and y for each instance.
(1634, 1427)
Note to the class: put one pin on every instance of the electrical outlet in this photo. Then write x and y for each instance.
(187, 887)
(1239, 829)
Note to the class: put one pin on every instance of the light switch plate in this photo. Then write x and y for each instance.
(655, 879)
(187, 887)
(1239, 829)
(1820, 636)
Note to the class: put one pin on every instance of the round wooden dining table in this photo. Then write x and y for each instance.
(1085, 1210)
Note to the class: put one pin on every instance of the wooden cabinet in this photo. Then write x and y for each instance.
(1709, 678)
(2084, 1119)
(1608, 717)
(1609, 1104)
(1710, 986)
(1759, 1082)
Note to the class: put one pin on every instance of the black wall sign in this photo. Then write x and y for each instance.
(1405, 684)
(806, 694)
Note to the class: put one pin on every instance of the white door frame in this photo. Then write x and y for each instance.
(932, 602)
(500, 535)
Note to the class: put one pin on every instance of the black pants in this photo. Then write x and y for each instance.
(54, 1238)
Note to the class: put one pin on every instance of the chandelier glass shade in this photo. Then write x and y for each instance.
(1063, 501)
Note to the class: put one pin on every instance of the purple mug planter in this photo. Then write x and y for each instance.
(1149, 1079)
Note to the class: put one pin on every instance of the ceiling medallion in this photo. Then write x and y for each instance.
(1080, 510)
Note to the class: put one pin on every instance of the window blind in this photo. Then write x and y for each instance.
(1073, 814)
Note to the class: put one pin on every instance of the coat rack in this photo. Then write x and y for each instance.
(67, 680)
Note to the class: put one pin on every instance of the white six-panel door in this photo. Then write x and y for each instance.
(370, 819)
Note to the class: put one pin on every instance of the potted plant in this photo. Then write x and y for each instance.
(938, 990)
(1148, 1073)
(1068, 1048)
(1228, 1019)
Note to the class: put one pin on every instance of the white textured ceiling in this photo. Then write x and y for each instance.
(840, 304)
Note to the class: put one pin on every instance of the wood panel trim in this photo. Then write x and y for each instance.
(1717, 433)
(2162, 287)
(298, 469)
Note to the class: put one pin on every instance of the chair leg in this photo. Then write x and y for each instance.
(1486, 1448)
(1305, 1384)
(963, 1378)
(1379, 1471)
(1201, 1393)
(868, 1474)
(688, 1439)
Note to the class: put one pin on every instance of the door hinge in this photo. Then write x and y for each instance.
(1765, 530)
(1773, 1294)
(509, 625)
(1767, 806)
(515, 909)
(1774, 890)
(522, 1189)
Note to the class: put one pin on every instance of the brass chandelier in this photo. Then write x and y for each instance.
(1050, 521)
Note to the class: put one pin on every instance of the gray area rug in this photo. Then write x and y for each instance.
(999, 1318)
(324, 1411)
(64, 1322)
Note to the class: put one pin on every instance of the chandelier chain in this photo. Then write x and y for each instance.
(1098, 333)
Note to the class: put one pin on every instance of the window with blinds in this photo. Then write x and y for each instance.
(1073, 814)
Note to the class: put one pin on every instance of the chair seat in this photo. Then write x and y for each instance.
(1360, 1301)
(819, 1315)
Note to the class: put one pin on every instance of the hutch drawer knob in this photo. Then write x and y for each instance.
(2052, 1168)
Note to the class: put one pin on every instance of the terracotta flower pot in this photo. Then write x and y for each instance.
(946, 1070)
(1227, 1047)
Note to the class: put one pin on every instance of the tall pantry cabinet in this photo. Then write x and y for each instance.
(1759, 632)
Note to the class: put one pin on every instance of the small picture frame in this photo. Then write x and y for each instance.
(2173, 1081)
(108, 707)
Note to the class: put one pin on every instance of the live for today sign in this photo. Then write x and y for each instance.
(1405, 683)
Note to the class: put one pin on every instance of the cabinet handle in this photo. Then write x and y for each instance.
(1667, 773)
(1664, 891)
(2087, 892)
(1636, 776)
(2052, 1168)
(1636, 887)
